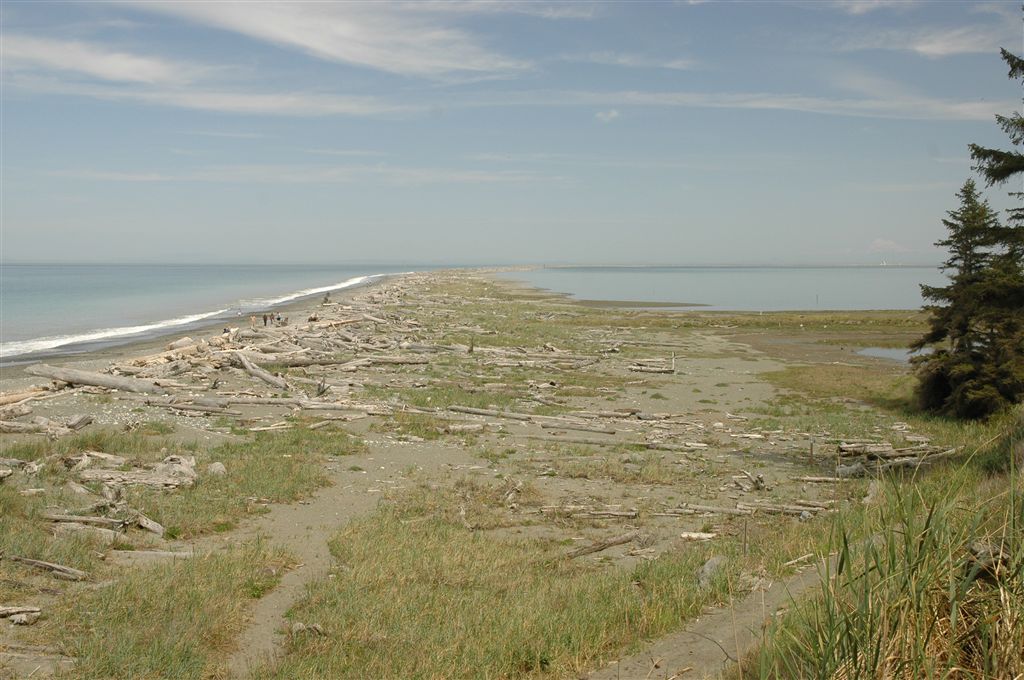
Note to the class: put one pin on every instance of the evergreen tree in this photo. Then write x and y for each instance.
(964, 378)
(981, 312)
(996, 165)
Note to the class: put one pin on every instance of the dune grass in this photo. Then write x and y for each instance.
(172, 620)
(927, 583)
(415, 594)
(272, 467)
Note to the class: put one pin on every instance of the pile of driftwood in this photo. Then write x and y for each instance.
(858, 458)
(222, 374)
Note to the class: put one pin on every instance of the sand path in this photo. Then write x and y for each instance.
(304, 529)
(709, 645)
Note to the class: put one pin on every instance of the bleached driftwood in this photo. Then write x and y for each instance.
(105, 522)
(581, 428)
(16, 410)
(602, 545)
(261, 374)
(636, 368)
(148, 524)
(6, 612)
(38, 425)
(73, 376)
(172, 472)
(193, 407)
(694, 508)
(86, 459)
(58, 570)
(107, 536)
(15, 397)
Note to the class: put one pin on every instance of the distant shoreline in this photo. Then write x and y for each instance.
(87, 349)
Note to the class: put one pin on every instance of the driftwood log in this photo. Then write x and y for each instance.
(261, 374)
(58, 570)
(73, 376)
(603, 545)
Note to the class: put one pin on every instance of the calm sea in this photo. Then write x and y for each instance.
(744, 288)
(65, 309)
(62, 309)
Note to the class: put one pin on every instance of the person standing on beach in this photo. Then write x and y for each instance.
(264, 319)
(252, 322)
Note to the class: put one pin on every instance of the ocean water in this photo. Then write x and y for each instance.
(744, 288)
(62, 309)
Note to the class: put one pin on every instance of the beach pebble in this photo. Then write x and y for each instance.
(216, 469)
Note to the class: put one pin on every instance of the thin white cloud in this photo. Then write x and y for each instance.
(375, 35)
(225, 133)
(607, 116)
(54, 67)
(22, 52)
(632, 60)
(899, 106)
(220, 100)
(1007, 10)
(904, 187)
(345, 152)
(314, 174)
(932, 42)
(576, 9)
(859, 7)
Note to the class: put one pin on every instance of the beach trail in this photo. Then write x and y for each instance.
(304, 529)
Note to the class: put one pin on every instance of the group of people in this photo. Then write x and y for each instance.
(268, 319)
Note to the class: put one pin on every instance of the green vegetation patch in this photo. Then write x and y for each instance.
(172, 620)
(275, 467)
(430, 598)
(927, 584)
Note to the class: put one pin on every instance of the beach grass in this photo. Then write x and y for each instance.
(926, 584)
(177, 619)
(416, 594)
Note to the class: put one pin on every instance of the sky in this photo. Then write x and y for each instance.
(829, 132)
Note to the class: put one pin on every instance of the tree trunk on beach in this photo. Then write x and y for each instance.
(74, 376)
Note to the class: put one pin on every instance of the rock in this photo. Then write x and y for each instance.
(26, 619)
(874, 489)
(182, 342)
(5, 472)
(101, 535)
(710, 569)
(805, 516)
(849, 471)
(182, 468)
(216, 469)
(75, 487)
(77, 422)
(298, 628)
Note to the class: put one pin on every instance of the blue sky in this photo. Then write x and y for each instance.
(490, 132)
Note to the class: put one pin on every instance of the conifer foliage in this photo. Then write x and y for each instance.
(979, 317)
